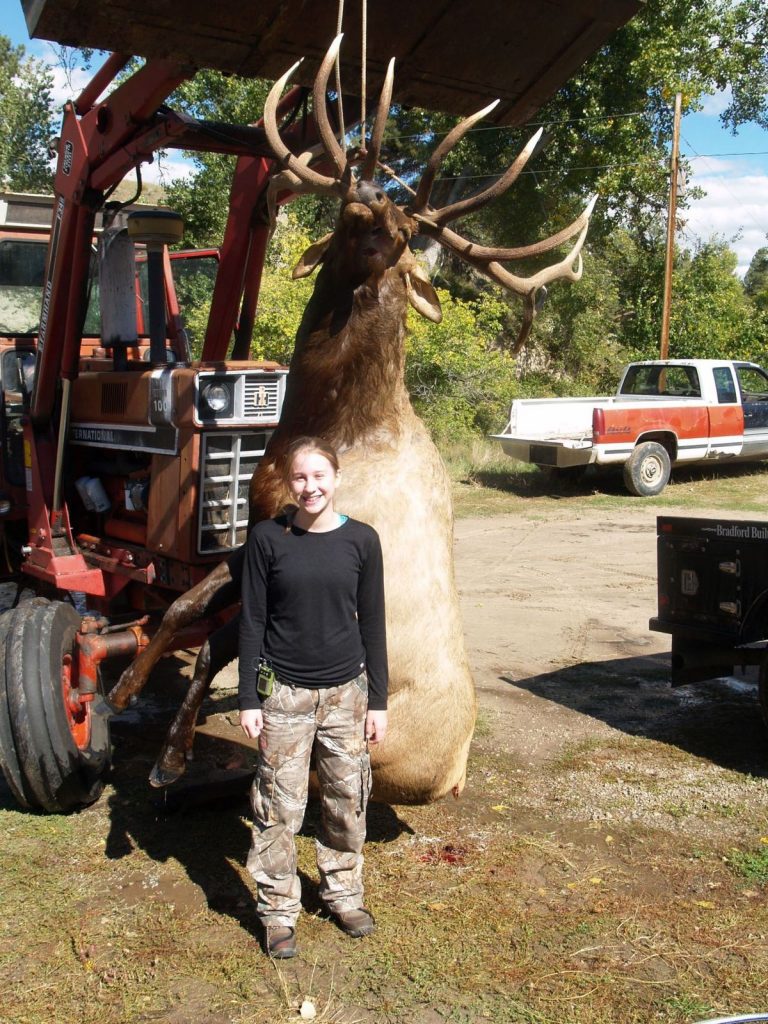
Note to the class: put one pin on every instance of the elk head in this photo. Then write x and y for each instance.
(373, 232)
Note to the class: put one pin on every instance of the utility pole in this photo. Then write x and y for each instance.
(671, 223)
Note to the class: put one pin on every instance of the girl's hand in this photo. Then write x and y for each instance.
(252, 722)
(375, 726)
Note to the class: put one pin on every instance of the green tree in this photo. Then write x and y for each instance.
(460, 380)
(281, 299)
(26, 125)
(712, 317)
(203, 198)
(756, 279)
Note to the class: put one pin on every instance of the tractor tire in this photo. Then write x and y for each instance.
(9, 762)
(646, 471)
(55, 751)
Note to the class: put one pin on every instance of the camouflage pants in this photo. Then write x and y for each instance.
(296, 720)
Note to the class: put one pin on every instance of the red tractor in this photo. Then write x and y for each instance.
(125, 462)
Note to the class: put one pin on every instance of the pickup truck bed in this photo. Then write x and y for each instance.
(664, 413)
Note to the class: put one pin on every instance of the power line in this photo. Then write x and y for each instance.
(756, 152)
(747, 213)
(544, 173)
(530, 124)
(594, 167)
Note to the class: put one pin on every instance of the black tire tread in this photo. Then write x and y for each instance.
(56, 776)
(9, 760)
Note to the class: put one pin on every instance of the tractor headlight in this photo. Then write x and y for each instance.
(218, 397)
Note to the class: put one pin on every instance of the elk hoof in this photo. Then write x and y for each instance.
(168, 768)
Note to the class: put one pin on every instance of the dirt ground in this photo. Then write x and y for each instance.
(542, 596)
(556, 612)
(607, 861)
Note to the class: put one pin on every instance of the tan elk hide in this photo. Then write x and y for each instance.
(346, 384)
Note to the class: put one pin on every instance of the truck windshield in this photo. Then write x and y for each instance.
(22, 272)
(664, 381)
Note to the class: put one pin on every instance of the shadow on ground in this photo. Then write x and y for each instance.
(202, 821)
(718, 720)
(559, 483)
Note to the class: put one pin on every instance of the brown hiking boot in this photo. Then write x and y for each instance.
(357, 923)
(279, 941)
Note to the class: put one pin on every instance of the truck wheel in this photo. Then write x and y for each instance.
(54, 750)
(646, 471)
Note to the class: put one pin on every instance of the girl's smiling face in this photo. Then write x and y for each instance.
(312, 482)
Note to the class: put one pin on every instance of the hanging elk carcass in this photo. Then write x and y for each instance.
(346, 384)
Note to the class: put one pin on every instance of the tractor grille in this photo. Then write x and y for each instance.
(261, 397)
(228, 462)
(114, 398)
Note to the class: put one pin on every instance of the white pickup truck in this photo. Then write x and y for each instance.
(664, 413)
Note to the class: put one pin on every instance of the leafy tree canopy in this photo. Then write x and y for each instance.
(756, 279)
(202, 200)
(712, 317)
(26, 125)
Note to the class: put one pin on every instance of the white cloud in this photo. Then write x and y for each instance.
(164, 169)
(713, 106)
(735, 206)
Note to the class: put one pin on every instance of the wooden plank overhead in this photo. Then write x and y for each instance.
(452, 55)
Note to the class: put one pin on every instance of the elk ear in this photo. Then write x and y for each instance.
(422, 296)
(312, 257)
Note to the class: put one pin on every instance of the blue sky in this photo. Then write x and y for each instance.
(733, 170)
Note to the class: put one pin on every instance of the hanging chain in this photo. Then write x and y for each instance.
(363, 71)
(342, 129)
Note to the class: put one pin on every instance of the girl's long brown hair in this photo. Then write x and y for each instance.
(309, 444)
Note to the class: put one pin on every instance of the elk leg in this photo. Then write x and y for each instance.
(219, 589)
(217, 652)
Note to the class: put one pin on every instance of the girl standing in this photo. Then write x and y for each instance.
(313, 675)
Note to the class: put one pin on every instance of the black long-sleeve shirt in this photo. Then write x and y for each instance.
(313, 606)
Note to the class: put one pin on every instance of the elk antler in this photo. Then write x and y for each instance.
(296, 174)
(382, 113)
(488, 259)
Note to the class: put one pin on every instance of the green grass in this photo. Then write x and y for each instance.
(487, 482)
(120, 915)
(751, 865)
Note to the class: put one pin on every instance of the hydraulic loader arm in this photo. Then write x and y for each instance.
(101, 142)
(93, 135)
